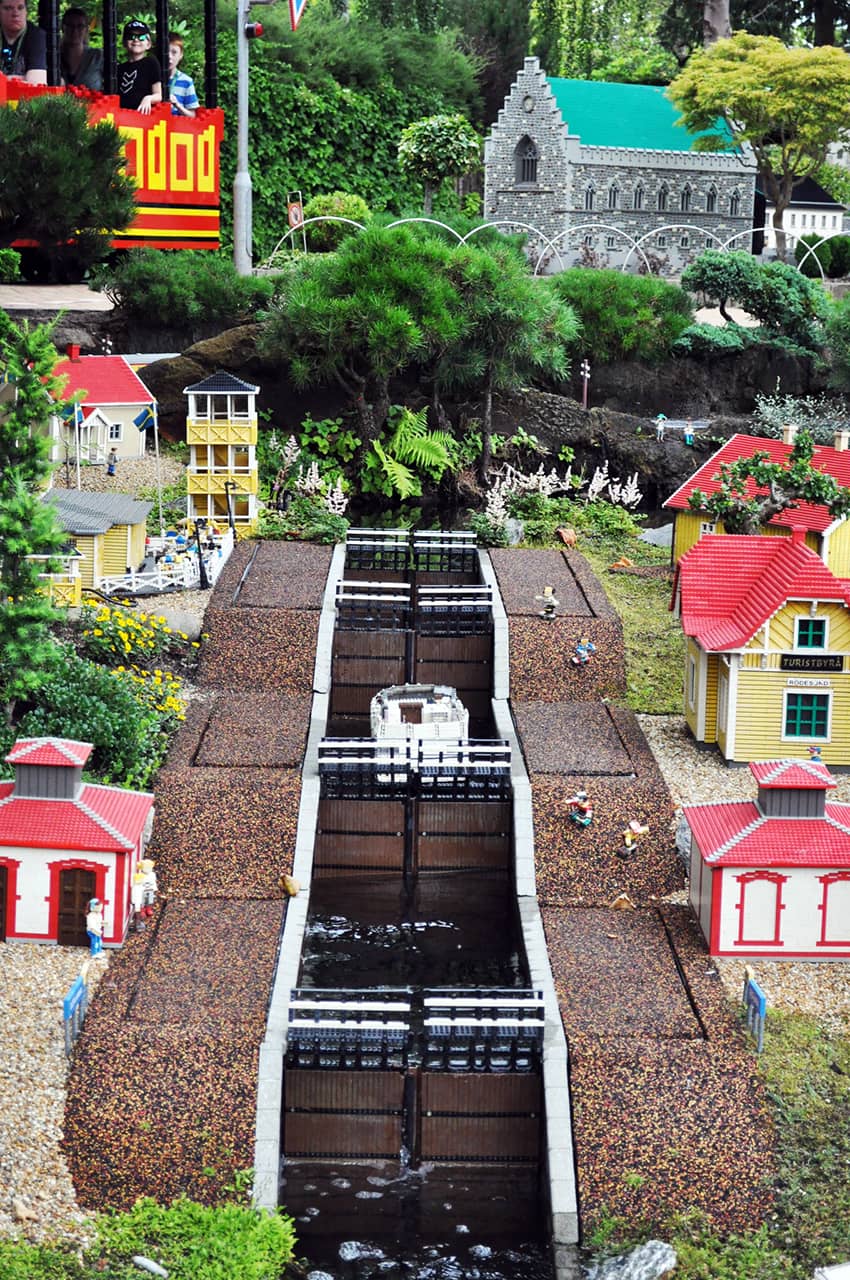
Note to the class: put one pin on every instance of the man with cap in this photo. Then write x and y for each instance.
(140, 77)
(94, 926)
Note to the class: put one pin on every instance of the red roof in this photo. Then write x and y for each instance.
(794, 775)
(53, 751)
(99, 820)
(104, 380)
(728, 585)
(805, 515)
(738, 834)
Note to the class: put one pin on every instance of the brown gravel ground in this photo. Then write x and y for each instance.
(162, 1092)
(540, 650)
(581, 865)
(669, 1111)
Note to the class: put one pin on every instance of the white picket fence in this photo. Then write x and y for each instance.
(181, 574)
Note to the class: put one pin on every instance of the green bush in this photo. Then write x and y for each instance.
(840, 265)
(10, 266)
(838, 343)
(91, 704)
(326, 236)
(20, 1260)
(182, 289)
(199, 1242)
(707, 339)
(624, 317)
(306, 519)
(821, 252)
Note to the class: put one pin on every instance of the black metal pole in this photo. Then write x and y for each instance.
(202, 568)
(210, 54)
(110, 45)
(228, 485)
(161, 49)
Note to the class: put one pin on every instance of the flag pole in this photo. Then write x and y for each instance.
(77, 444)
(158, 469)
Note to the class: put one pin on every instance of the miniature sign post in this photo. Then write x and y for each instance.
(756, 1005)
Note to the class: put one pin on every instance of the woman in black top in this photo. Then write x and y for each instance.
(79, 64)
(140, 77)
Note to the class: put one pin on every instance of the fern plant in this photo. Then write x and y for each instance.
(410, 454)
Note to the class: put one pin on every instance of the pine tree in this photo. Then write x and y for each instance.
(27, 525)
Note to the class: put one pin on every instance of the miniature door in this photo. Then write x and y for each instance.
(76, 887)
(4, 876)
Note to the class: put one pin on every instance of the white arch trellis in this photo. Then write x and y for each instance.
(550, 243)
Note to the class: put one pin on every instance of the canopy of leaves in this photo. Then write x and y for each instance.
(786, 104)
(66, 180)
(341, 133)
(778, 487)
(438, 147)
(380, 303)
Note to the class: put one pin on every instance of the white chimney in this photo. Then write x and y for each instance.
(841, 441)
(789, 433)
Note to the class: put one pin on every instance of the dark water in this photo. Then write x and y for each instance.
(452, 931)
(440, 1222)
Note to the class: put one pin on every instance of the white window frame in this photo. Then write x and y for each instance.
(692, 681)
(799, 737)
(707, 526)
(116, 432)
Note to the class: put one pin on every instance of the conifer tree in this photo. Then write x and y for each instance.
(27, 525)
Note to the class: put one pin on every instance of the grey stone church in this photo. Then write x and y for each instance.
(597, 166)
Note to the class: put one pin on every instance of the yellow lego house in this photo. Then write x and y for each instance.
(106, 532)
(767, 629)
(221, 432)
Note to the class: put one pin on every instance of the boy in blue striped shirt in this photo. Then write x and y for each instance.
(181, 88)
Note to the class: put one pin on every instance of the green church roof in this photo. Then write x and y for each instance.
(621, 115)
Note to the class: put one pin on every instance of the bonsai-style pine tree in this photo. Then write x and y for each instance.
(64, 183)
(27, 525)
(778, 487)
(438, 147)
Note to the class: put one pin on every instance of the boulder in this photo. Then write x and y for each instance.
(650, 1261)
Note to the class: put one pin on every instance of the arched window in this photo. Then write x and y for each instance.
(662, 199)
(685, 200)
(588, 199)
(711, 200)
(525, 162)
(637, 202)
(735, 205)
(614, 197)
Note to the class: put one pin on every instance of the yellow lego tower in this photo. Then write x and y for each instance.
(221, 431)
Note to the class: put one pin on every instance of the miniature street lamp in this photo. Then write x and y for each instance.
(200, 525)
(585, 379)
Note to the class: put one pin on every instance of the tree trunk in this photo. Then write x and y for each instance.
(486, 431)
(715, 22)
(779, 232)
(429, 196)
(825, 16)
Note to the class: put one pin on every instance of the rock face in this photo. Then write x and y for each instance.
(627, 442)
(684, 387)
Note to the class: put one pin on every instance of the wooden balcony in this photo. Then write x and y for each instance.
(214, 481)
(204, 431)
